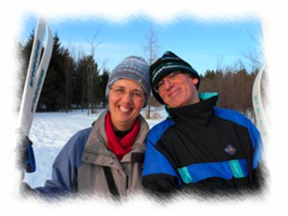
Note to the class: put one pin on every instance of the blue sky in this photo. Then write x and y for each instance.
(203, 44)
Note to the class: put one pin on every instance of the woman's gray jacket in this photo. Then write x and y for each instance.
(79, 167)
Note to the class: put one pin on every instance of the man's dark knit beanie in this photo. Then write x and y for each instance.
(167, 64)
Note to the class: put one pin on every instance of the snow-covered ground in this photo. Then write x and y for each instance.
(50, 132)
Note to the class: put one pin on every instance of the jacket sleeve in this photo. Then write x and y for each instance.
(65, 166)
(253, 131)
(256, 140)
(158, 173)
(257, 178)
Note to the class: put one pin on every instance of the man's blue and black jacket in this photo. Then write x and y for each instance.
(204, 147)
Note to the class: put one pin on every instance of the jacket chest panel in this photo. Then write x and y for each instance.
(92, 178)
(221, 141)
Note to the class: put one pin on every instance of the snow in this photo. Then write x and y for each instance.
(50, 132)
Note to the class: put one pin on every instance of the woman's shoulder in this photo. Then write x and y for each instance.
(79, 139)
(82, 134)
(143, 121)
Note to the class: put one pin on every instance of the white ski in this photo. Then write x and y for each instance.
(258, 104)
(35, 76)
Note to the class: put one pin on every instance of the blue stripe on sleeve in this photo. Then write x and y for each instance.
(225, 170)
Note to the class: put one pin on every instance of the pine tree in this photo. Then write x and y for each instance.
(101, 88)
(53, 92)
(79, 96)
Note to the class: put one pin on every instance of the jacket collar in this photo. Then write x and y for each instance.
(98, 135)
(97, 141)
(196, 115)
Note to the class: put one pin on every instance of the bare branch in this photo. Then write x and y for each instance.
(220, 60)
(151, 48)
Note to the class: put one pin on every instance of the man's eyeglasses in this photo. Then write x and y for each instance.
(120, 91)
(170, 77)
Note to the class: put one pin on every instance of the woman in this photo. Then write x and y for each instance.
(107, 158)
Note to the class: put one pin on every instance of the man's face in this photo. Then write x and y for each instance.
(178, 89)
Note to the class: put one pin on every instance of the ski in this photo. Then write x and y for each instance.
(258, 104)
(35, 76)
(33, 85)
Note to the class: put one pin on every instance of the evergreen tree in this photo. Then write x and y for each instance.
(69, 68)
(79, 97)
(67, 82)
(101, 88)
(53, 92)
(92, 82)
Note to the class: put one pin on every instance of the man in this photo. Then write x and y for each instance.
(198, 146)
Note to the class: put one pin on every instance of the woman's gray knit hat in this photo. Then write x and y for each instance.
(133, 68)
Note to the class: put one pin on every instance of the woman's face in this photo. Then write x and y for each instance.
(126, 99)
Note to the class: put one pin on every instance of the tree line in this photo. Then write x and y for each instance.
(69, 83)
(80, 83)
(234, 87)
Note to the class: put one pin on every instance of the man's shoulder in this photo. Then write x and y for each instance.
(158, 130)
(163, 125)
(232, 115)
(228, 112)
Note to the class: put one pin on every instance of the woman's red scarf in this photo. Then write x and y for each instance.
(120, 146)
